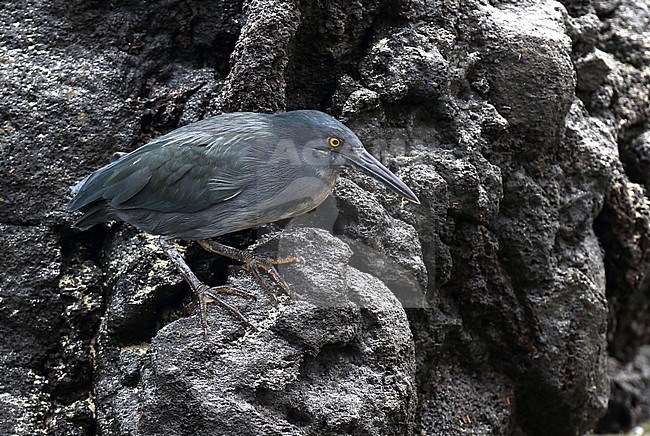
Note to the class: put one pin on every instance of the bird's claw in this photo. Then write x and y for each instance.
(213, 291)
(287, 260)
(254, 264)
(207, 294)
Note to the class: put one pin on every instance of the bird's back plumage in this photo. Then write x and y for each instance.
(199, 181)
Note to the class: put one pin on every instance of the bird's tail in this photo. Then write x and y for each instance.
(94, 214)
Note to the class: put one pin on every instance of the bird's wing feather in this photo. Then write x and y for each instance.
(185, 171)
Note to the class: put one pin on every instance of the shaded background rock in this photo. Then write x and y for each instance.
(523, 128)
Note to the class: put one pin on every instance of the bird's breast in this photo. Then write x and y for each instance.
(295, 196)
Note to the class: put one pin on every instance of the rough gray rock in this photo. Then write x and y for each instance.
(339, 360)
(522, 126)
(629, 404)
(256, 82)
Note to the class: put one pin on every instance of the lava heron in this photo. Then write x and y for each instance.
(224, 174)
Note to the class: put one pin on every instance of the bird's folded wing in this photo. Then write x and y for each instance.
(183, 172)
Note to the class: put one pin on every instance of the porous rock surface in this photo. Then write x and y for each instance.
(340, 359)
(523, 275)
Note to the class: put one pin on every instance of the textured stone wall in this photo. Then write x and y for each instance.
(503, 304)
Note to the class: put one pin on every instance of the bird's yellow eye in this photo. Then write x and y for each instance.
(334, 142)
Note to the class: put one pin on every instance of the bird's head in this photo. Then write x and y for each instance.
(331, 144)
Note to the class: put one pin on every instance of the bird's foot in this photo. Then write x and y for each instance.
(254, 264)
(204, 294)
(207, 294)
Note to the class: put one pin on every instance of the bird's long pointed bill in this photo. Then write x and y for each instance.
(372, 167)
